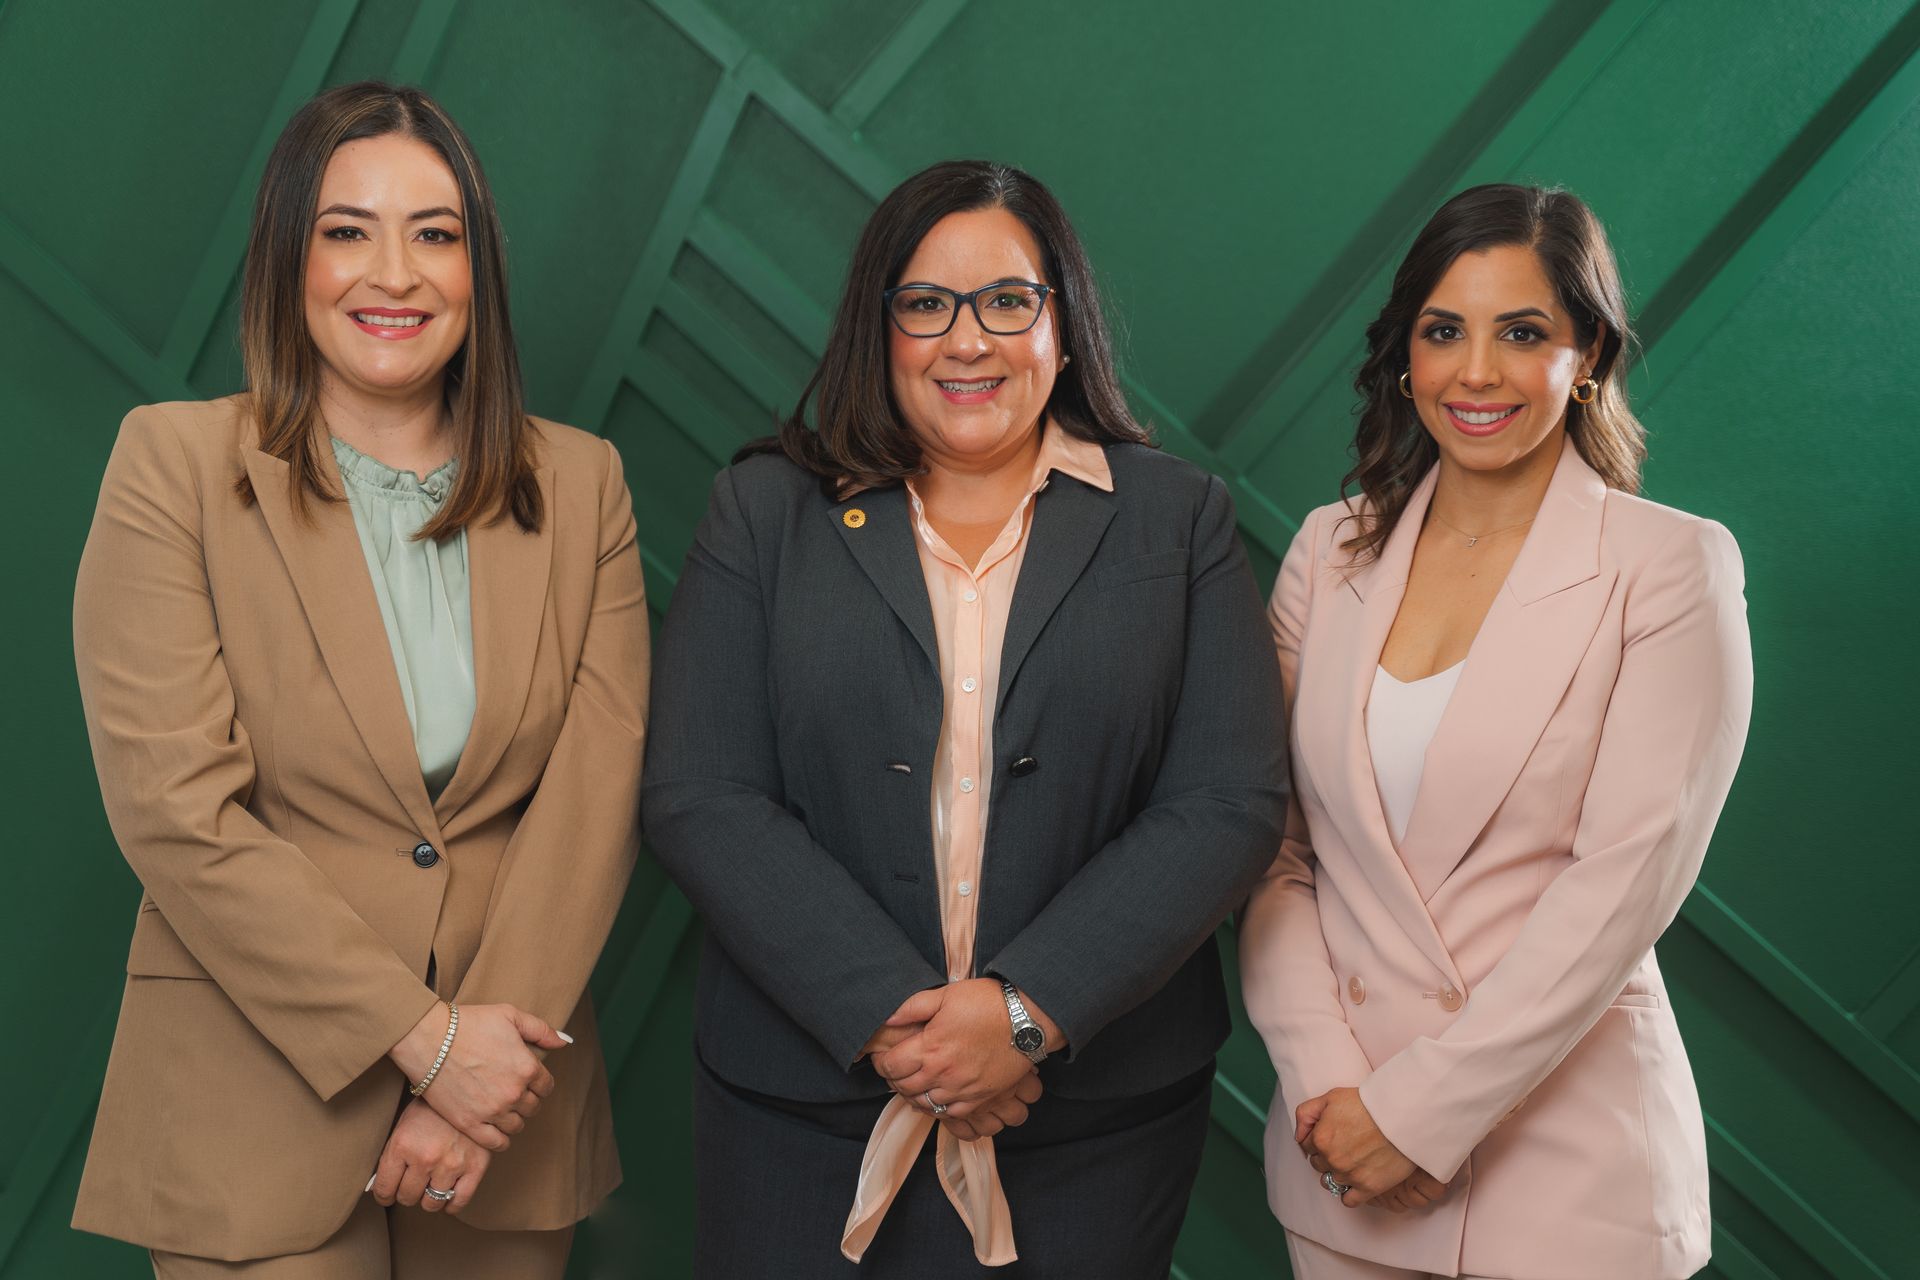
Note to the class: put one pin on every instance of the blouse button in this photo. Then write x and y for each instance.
(966, 888)
(969, 684)
(966, 784)
(970, 595)
(1356, 989)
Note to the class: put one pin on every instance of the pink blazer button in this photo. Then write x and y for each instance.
(1356, 989)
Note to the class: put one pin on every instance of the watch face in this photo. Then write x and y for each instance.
(1028, 1039)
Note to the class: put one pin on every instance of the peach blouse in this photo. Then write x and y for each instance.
(970, 609)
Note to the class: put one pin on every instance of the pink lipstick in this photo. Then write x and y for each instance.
(969, 390)
(1480, 419)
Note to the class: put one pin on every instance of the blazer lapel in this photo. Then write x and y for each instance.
(509, 586)
(1519, 667)
(1336, 676)
(1069, 519)
(324, 558)
(881, 538)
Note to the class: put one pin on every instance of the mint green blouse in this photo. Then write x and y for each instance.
(424, 601)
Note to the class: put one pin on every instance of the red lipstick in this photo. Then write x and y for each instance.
(391, 332)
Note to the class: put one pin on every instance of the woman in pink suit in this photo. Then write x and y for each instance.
(1519, 693)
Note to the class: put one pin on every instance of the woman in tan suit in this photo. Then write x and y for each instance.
(363, 654)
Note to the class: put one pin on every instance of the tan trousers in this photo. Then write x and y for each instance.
(1314, 1261)
(395, 1244)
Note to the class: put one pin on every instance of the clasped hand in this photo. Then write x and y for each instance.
(953, 1044)
(493, 1080)
(425, 1150)
(1337, 1135)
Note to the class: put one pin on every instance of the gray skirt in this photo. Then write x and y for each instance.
(1096, 1188)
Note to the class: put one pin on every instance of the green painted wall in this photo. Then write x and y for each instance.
(682, 180)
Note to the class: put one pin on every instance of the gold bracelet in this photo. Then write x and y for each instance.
(453, 1025)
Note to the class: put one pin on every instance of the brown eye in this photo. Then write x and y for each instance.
(914, 301)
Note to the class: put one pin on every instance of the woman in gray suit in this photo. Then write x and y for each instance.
(964, 741)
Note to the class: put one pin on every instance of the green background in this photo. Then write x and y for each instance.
(682, 179)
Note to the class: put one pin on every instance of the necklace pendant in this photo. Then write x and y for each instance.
(1471, 541)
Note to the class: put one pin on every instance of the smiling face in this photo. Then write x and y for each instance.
(1493, 358)
(974, 399)
(388, 285)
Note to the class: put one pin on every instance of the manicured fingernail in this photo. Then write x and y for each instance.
(564, 1036)
(370, 1182)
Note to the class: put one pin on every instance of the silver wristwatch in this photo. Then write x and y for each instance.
(1028, 1038)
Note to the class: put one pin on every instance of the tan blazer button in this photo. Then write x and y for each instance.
(1451, 999)
(425, 855)
(1356, 989)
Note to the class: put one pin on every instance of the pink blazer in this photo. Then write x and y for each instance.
(1491, 987)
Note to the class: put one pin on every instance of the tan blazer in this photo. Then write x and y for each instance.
(1499, 965)
(259, 774)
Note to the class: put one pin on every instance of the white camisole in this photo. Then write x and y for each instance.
(1401, 720)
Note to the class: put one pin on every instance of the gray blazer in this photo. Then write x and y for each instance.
(1143, 784)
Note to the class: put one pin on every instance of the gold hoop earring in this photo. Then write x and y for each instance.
(1406, 388)
(1593, 391)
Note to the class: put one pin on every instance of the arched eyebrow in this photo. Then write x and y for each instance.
(1502, 318)
(354, 211)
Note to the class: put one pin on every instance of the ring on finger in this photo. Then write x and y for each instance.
(1334, 1185)
(938, 1108)
(434, 1193)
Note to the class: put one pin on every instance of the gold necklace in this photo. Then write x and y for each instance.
(1475, 537)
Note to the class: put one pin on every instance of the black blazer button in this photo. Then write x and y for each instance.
(1023, 766)
(425, 855)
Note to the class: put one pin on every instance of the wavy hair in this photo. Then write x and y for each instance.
(1391, 449)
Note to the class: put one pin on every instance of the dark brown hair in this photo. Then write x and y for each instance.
(861, 437)
(1392, 451)
(494, 440)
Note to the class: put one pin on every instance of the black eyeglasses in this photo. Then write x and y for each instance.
(1005, 307)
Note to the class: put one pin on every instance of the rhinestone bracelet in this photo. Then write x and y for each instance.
(453, 1025)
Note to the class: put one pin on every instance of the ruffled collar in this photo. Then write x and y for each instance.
(370, 475)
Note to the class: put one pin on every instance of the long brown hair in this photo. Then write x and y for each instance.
(494, 440)
(1392, 450)
(861, 437)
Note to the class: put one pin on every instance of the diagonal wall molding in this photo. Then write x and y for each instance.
(200, 307)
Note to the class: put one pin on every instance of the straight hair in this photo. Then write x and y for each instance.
(493, 439)
(1392, 450)
(861, 439)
